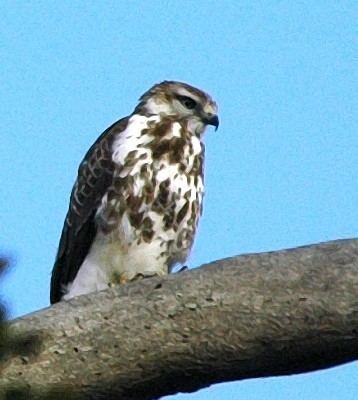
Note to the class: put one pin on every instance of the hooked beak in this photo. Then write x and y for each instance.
(212, 120)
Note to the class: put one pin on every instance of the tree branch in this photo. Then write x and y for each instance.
(249, 316)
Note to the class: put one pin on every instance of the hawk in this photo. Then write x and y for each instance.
(135, 205)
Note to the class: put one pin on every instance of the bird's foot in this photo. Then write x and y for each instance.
(118, 279)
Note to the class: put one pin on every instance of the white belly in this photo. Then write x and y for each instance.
(140, 233)
(111, 261)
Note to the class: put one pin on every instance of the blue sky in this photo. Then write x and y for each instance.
(280, 172)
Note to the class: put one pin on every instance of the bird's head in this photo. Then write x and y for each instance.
(181, 101)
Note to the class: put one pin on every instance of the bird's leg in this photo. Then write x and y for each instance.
(118, 279)
(123, 280)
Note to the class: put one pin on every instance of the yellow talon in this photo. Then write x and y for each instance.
(117, 279)
(120, 279)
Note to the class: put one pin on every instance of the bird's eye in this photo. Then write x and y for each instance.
(187, 102)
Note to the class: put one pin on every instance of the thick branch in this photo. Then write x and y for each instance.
(250, 316)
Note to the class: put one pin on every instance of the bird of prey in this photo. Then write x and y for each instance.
(135, 205)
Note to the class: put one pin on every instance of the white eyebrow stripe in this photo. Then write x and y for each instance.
(183, 92)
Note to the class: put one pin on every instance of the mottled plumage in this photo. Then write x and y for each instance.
(137, 199)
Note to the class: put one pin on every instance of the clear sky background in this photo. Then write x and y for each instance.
(281, 171)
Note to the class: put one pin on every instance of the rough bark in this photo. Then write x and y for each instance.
(249, 316)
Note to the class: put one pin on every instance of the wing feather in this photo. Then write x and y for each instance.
(95, 176)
